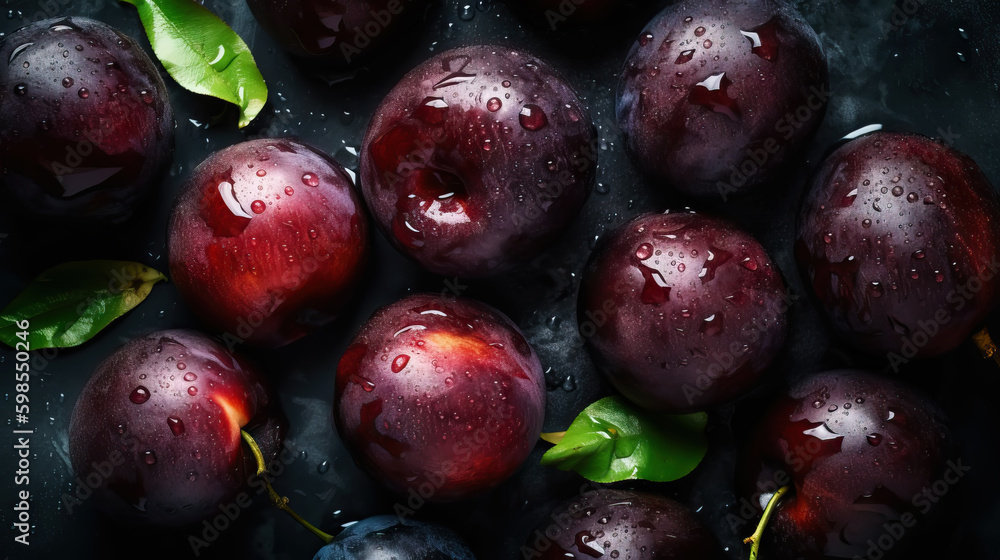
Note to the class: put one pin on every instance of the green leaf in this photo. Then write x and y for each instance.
(68, 304)
(203, 54)
(613, 440)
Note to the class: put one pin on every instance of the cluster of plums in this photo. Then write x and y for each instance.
(473, 164)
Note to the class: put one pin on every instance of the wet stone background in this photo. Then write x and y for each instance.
(928, 66)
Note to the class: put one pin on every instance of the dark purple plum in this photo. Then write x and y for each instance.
(861, 453)
(477, 160)
(86, 128)
(682, 311)
(619, 524)
(268, 240)
(388, 536)
(717, 97)
(338, 32)
(158, 427)
(442, 397)
(899, 237)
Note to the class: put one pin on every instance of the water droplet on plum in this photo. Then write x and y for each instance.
(139, 395)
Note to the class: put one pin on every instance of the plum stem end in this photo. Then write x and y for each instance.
(281, 502)
(772, 504)
(986, 346)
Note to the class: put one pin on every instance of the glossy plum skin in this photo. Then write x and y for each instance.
(899, 237)
(682, 311)
(385, 537)
(86, 127)
(477, 159)
(268, 240)
(715, 98)
(439, 393)
(621, 524)
(338, 32)
(165, 411)
(860, 450)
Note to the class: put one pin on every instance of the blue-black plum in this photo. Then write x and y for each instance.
(388, 537)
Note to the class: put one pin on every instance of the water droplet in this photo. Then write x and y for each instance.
(192, 390)
(532, 117)
(192, 476)
(866, 223)
(712, 94)
(181, 366)
(261, 173)
(399, 363)
(67, 82)
(912, 197)
(149, 457)
(310, 180)
(707, 43)
(644, 251)
(832, 408)
(466, 12)
(84, 93)
(258, 206)
(699, 31)
(139, 395)
(874, 439)
(764, 39)
(190, 376)
(645, 39)
(827, 238)
(176, 425)
(494, 104)
(21, 89)
(506, 83)
(685, 56)
(897, 191)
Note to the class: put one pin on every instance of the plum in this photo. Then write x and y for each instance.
(899, 236)
(444, 397)
(859, 450)
(338, 32)
(386, 537)
(86, 127)
(477, 160)
(622, 524)
(268, 240)
(716, 98)
(156, 431)
(682, 311)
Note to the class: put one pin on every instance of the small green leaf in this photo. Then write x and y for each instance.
(203, 54)
(613, 440)
(68, 304)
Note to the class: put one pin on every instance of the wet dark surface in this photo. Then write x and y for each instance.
(928, 67)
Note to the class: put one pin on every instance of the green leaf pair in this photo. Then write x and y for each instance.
(203, 54)
(613, 440)
(68, 304)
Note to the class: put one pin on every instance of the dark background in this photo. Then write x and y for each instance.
(903, 71)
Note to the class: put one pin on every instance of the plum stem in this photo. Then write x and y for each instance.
(280, 502)
(986, 346)
(772, 504)
(553, 437)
